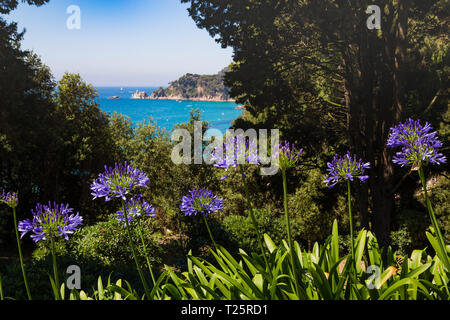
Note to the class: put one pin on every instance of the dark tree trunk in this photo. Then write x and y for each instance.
(374, 100)
(391, 108)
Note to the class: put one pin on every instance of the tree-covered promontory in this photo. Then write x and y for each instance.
(196, 87)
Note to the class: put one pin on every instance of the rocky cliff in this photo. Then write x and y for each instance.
(140, 95)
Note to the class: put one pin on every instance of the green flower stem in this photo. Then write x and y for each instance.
(55, 269)
(350, 217)
(145, 252)
(1, 288)
(288, 227)
(133, 249)
(209, 231)
(433, 219)
(20, 255)
(255, 223)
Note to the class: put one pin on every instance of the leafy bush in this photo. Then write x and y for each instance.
(401, 240)
(242, 231)
(310, 212)
(412, 219)
(38, 272)
(107, 242)
(440, 197)
(43, 251)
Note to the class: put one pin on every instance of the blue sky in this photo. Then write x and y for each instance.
(121, 42)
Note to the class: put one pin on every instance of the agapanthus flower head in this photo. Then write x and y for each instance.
(136, 208)
(346, 167)
(51, 221)
(118, 182)
(201, 201)
(10, 199)
(287, 155)
(237, 150)
(419, 144)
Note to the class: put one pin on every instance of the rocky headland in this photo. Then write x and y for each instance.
(191, 87)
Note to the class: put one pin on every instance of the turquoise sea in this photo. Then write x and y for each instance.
(166, 113)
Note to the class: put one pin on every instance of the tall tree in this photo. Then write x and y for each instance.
(25, 112)
(83, 143)
(6, 6)
(53, 136)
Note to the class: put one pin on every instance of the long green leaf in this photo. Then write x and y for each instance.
(158, 282)
(373, 250)
(101, 293)
(174, 291)
(398, 284)
(417, 271)
(220, 285)
(321, 283)
(1, 288)
(334, 243)
(127, 295)
(361, 243)
(55, 289)
(269, 243)
(117, 295)
(434, 242)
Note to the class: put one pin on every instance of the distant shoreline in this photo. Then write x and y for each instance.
(142, 95)
(172, 99)
(189, 99)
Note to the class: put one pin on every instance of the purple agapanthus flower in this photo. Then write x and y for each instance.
(346, 168)
(51, 221)
(235, 151)
(287, 155)
(201, 201)
(118, 182)
(136, 207)
(419, 144)
(10, 199)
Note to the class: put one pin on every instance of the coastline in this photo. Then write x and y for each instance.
(186, 99)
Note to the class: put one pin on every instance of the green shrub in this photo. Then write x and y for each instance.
(310, 215)
(38, 272)
(107, 242)
(401, 241)
(43, 250)
(242, 231)
(412, 223)
(440, 198)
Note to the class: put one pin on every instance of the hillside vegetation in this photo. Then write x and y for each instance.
(195, 86)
